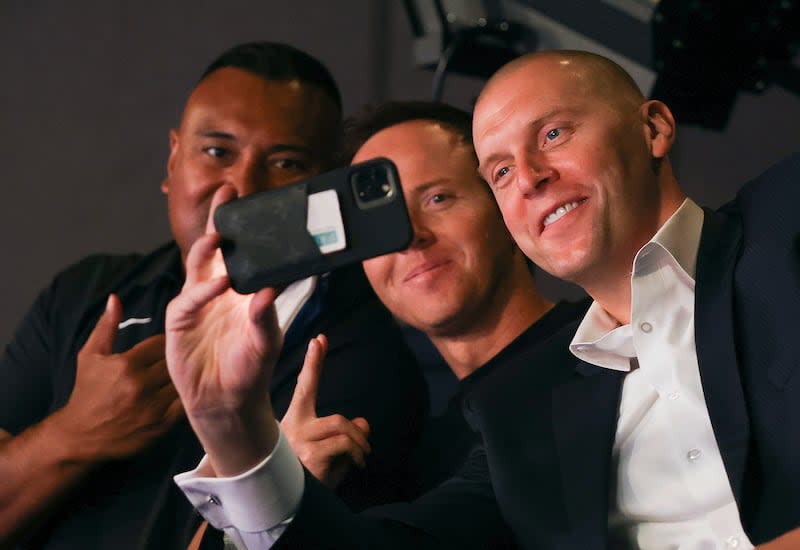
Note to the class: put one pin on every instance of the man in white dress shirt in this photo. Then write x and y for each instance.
(577, 161)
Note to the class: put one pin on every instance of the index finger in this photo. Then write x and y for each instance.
(304, 400)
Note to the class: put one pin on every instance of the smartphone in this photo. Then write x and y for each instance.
(286, 234)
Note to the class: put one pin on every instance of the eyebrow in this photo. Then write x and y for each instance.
(482, 167)
(276, 148)
(215, 134)
(423, 187)
(290, 148)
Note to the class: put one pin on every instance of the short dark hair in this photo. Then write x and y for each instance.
(358, 129)
(278, 61)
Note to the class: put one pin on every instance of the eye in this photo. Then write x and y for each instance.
(290, 164)
(553, 134)
(216, 152)
(437, 200)
(502, 172)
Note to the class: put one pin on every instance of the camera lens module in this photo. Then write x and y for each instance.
(372, 185)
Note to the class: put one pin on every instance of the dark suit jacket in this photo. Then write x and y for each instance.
(548, 422)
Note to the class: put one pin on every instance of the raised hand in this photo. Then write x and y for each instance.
(121, 402)
(221, 349)
(329, 446)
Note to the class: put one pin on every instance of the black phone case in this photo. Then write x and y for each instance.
(265, 241)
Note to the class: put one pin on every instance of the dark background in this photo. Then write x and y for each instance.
(89, 89)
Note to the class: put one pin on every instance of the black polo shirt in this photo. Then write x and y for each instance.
(447, 438)
(38, 368)
(134, 503)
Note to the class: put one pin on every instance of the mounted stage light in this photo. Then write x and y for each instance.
(696, 55)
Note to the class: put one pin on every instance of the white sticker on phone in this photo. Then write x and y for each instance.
(324, 221)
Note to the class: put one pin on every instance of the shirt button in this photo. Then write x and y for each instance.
(672, 396)
(213, 500)
(646, 327)
(694, 455)
(732, 542)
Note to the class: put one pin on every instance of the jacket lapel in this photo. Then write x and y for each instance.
(585, 414)
(714, 337)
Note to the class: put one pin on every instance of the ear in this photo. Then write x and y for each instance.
(659, 127)
(173, 152)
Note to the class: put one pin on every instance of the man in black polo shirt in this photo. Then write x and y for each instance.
(91, 429)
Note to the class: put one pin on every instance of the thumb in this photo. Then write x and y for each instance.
(304, 400)
(222, 195)
(101, 340)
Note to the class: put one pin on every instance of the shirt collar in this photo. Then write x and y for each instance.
(600, 340)
(680, 236)
(292, 299)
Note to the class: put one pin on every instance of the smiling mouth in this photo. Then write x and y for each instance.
(421, 270)
(561, 211)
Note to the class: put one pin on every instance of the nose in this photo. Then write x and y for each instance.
(533, 174)
(422, 234)
(248, 175)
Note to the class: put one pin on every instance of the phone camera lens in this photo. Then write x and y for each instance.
(372, 185)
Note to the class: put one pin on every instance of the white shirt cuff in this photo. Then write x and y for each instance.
(258, 500)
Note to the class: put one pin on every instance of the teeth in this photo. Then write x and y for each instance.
(559, 212)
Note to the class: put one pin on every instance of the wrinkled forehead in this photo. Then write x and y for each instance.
(537, 78)
(425, 153)
(254, 110)
(239, 91)
(531, 90)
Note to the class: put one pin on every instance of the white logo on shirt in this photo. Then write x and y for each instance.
(134, 321)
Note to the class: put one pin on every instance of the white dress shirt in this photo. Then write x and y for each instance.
(254, 508)
(672, 491)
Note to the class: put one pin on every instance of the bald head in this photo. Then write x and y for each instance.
(589, 72)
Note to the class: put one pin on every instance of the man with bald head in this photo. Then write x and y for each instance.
(668, 418)
(699, 415)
